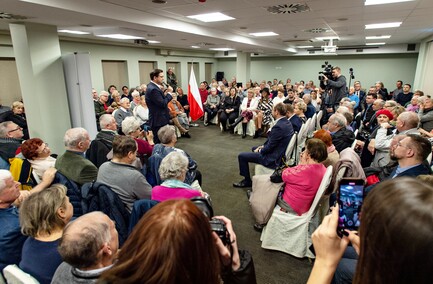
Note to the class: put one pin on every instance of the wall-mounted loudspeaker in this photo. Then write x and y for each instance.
(411, 47)
(219, 76)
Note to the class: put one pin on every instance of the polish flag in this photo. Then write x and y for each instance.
(194, 100)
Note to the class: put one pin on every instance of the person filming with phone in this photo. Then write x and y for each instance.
(393, 242)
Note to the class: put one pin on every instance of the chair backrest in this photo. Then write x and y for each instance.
(291, 146)
(138, 210)
(318, 118)
(323, 185)
(73, 192)
(14, 275)
(311, 126)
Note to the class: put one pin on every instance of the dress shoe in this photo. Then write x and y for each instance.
(243, 183)
(244, 136)
(186, 135)
(249, 194)
(259, 227)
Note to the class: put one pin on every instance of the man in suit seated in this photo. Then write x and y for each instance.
(10, 140)
(293, 118)
(270, 153)
(72, 164)
(88, 247)
(103, 143)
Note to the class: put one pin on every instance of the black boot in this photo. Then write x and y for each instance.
(258, 133)
(244, 130)
(237, 121)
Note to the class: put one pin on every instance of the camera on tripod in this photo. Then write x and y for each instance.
(327, 71)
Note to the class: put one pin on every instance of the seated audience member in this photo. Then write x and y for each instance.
(203, 92)
(126, 93)
(11, 239)
(211, 105)
(405, 96)
(178, 116)
(333, 155)
(193, 253)
(299, 191)
(311, 110)
(229, 109)
(72, 163)
(168, 138)
(183, 100)
(414, 103)
(381, 91)
(43, 216)
(379, 260)
(406, 123)
(248, 108)
(141, 112)
(353, 97)
(119, 173)
(123, 112)
(315, 100)
(410, 153)
(135, 99)
(101, 146)
(342, 138)
(293, 118)
(264, 113)
(172, 170)
(426, 113)
(17, 116)
(131, 127)
(279, 97)
(38, 154)
(369, 150)
(299, 108)
(377, 105)
(10, 141)
(88, 247)
(368, 112)
(115, 100)
(270, 153)
(101, 106)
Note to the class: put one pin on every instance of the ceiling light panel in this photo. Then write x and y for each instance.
(263, 34)
(380, 2)
(375, 43)
(378, 37)
(73, 32)
(211, 17)
(120, 36)
(383, 26)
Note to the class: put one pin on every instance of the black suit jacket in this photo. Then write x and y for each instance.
(159, 114)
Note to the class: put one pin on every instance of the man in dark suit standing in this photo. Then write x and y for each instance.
(157, 101)
(361, 95)
(270, 153)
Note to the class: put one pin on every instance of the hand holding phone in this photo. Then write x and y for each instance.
(350, 197)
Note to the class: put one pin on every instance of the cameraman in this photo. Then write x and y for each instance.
(338, 90)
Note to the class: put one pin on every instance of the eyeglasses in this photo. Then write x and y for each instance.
(16, 129)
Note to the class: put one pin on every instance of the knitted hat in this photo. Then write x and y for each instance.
(385, 112)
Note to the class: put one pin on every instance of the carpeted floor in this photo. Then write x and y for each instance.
(216, 154)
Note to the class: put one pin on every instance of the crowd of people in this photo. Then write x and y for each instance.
(135, 155)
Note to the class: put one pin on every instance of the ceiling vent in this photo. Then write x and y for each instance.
(203, 44)
(8, 16)
(317, 30)
(288, 8)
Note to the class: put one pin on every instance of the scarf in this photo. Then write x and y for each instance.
(175, 183)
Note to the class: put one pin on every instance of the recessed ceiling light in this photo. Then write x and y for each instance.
(153, 41)
(379, 2)
(195, 46)
(382, 26)
(211, 17)
(221, 49)
(263, 34)
(375, 43)
(291, 49)
(305, 46)
(377, 37)
(327, 38)
(120, 36)
(73, 32)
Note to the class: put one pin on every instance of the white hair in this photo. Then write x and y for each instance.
(339, 120)
(74, 136)
(4, 175)
(135, 93)
(105, 120)
(130, 124)
(103, 93)
(173, 165)
(123, 100)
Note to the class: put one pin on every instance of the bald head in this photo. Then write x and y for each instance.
(85, 240)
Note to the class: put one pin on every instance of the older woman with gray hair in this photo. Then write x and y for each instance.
(173, 170)
(131, 127)
(123, 112)
(168, 138)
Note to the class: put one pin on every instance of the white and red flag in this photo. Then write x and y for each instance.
(194, 99)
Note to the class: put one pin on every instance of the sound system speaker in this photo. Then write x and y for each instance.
(219, 76)
(411, 47)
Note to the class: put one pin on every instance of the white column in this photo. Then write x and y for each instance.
(40, 72)
(243, 67)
